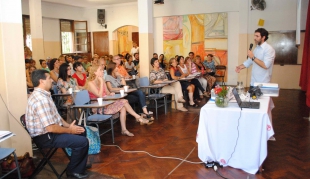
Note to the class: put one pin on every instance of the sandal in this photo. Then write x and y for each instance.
(127, 133)
(147, 116)
(194, 105)
(144, 121)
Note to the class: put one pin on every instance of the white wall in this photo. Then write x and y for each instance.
(51, 29)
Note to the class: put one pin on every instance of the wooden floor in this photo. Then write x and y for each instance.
(174, 135)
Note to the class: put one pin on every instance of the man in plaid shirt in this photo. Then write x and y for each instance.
(48, 129)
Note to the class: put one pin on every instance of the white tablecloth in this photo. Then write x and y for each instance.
(217, 135)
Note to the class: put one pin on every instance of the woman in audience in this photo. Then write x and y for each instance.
(65, 82)
(161, 60)
(79, 75)
(158, 75)
(209, 63)
(183, 70)
(33, 63)
(29, 81)
(54, 72)
(176, 75)
(129, 65)
(116, 82)
(97, 89)
(192, 68)
(61, 59)
(204, 71)
(43, 65)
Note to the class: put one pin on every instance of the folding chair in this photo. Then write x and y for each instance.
(81, 98)
(6, 152)
(47, 155)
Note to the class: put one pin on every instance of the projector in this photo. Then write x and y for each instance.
(159, 2)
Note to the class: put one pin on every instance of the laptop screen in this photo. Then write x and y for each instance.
(238, 99)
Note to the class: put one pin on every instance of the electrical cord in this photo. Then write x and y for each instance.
(237, 138)
(140, 151)
(217, 172)
(10, 112)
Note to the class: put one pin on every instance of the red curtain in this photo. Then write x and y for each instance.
(304, 82)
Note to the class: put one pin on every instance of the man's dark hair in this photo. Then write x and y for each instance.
(263, 32)
(110, 67)
(179, 58)
(63, 71)
(76, 58)
(41, 61)
(52, 63)
(38, 75)
(135, 54)
(27, 61)
(153, 61)
(76, 64)
(191, 53)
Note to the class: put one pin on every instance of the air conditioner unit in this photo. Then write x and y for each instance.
(159, 2)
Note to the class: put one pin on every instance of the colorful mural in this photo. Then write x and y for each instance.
(183, 34)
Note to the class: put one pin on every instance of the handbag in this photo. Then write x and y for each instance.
(92, 134)
(26, 166)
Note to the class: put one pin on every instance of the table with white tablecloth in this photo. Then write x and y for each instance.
(235, 137)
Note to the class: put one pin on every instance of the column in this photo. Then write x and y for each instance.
(146, 38)
(35, 12)
(13, 98)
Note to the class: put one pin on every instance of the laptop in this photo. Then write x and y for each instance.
(245, 104)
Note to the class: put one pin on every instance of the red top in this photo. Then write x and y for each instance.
(81, 82)
(92, 96)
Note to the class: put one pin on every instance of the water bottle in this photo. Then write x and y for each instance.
(238, 87)
(241, 88)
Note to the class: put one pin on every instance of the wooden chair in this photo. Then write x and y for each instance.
(220, 71)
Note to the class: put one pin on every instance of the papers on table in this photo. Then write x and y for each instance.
(5, 135)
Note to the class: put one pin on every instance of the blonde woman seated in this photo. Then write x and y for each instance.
(176, 75)
(116, 82)
(158, 75)
(97, 89)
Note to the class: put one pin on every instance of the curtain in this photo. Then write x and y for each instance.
(304, 82)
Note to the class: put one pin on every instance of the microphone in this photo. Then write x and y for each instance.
(251, 45)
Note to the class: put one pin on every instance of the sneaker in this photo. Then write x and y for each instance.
(182, 109)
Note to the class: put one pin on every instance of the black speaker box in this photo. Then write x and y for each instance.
(101, 16)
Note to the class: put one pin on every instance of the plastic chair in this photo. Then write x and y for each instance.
(220, 71)
(6, 152)
(81, 98)
(46, 155)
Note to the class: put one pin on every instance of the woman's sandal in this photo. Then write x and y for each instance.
(147, 116)
(144, 121)
(127, 133)
(194, 105)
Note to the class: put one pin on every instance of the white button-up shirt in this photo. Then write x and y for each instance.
(265, 53)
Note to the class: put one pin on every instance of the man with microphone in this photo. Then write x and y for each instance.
(262, 58)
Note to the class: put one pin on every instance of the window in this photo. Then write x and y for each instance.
(74, 36)
(27, 31)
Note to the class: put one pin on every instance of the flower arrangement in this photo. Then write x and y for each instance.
(221, 91)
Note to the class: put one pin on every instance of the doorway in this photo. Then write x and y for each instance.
(101, 43)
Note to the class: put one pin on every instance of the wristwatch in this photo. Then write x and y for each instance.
(253, 58)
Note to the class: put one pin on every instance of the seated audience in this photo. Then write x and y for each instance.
(47, 129)
(176, 75)
(183, 70)
(129, 65)
(97, 89)
(85, 63)
(161, 61)
(204, 70)
(209, 63)
(192, 68)
(54, 67)
(158, 75)
(116, 82)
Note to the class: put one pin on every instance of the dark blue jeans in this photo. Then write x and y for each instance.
(78, 144)
(139, 96)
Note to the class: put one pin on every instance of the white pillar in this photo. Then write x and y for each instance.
(13, 92)
(146, 38)
(35, 12)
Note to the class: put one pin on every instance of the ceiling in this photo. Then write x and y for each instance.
(89, 3)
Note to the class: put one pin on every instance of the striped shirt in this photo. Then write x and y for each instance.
(41, 112)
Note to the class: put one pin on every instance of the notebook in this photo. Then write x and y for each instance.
(243, 104)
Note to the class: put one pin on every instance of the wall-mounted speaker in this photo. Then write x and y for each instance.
(101, 16)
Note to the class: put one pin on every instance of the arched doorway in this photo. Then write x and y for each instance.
(123, 37)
